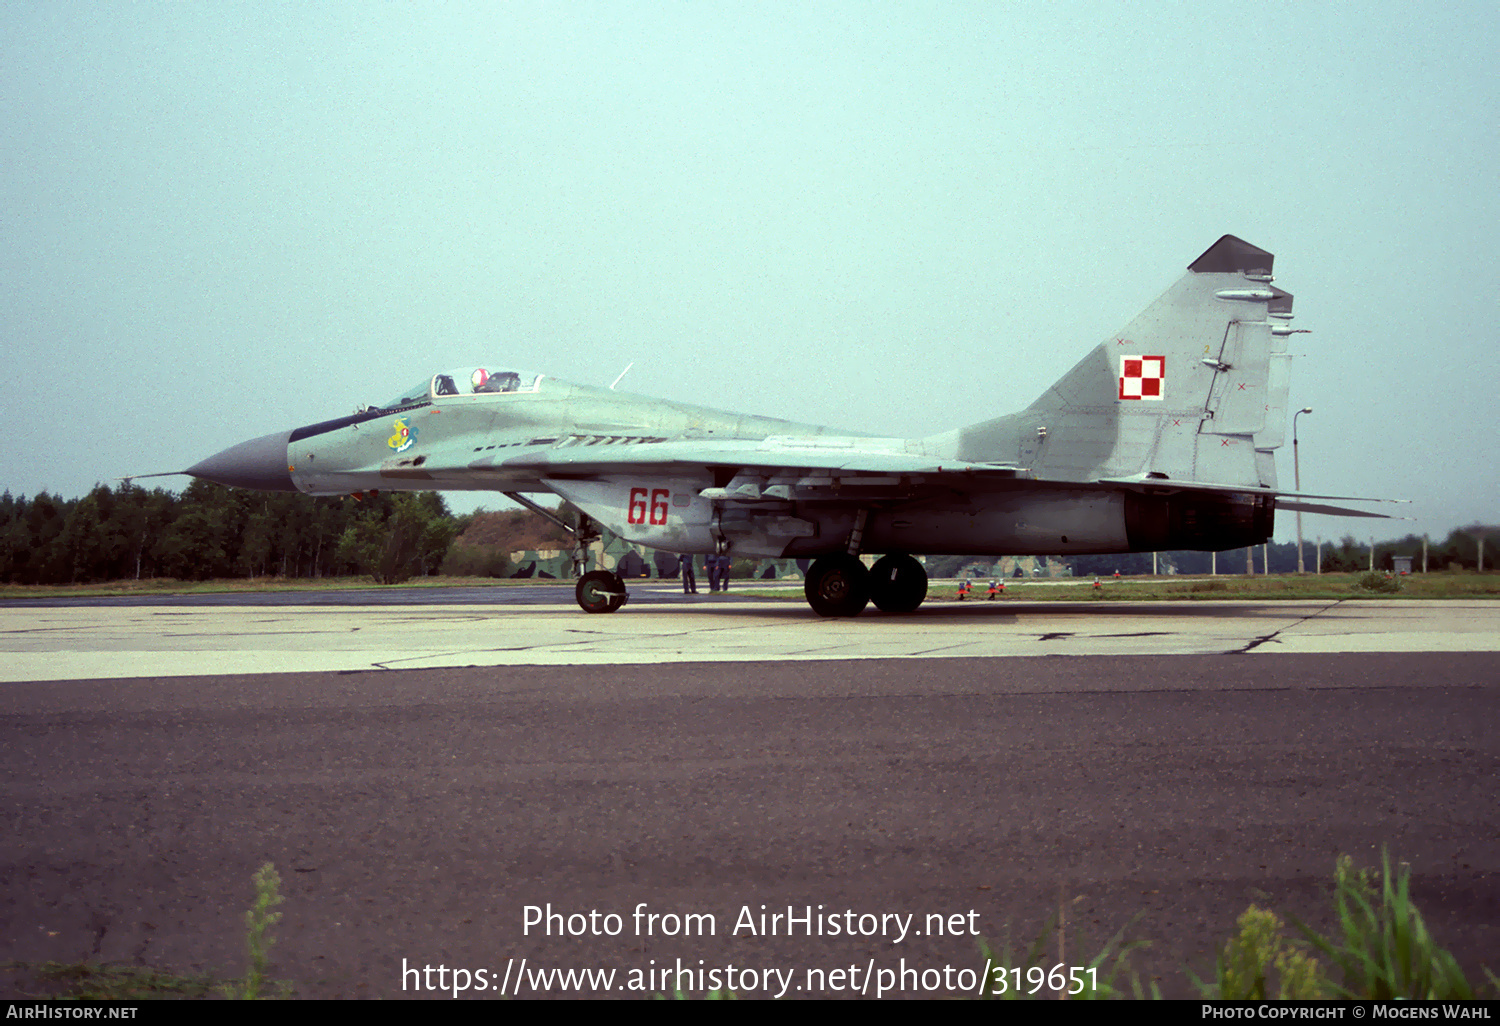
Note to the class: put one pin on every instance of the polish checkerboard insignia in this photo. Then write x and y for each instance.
(1143, 377)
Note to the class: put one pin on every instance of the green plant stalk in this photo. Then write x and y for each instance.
(258, 922)
(1387, 951)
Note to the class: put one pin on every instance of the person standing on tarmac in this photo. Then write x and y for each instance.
(724, 564)
(689, 582)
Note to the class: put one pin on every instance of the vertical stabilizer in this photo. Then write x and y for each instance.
(1192, 389)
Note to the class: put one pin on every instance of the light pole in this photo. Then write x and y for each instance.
(1297, 480)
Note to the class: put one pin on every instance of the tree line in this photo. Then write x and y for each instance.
(1459, 551)
(209, 531)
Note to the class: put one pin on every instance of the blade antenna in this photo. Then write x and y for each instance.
(624, 372)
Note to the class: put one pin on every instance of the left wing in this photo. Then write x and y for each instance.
(774, 455)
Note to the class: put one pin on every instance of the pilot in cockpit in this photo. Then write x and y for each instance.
(504, 381)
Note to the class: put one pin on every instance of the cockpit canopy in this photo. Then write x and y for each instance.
(466, 381)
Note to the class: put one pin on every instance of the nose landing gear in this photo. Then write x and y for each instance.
(600, 591)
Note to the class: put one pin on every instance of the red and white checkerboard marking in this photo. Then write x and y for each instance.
(1143, 377)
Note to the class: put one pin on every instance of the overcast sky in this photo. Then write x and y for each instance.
(223, 220)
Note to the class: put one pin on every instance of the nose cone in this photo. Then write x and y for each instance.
(260, 463)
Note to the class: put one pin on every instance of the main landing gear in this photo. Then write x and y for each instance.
(835, 586)
(600, 591)
(841, 586)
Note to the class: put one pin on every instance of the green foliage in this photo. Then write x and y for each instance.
(1385, 950)
(1460, 550)
(94, 981)
(476, 561)
(258, 940)
(216, 532)
(1245, 964)
(417, 537)
(1106, 565)
(1380, 583)
(942, 567)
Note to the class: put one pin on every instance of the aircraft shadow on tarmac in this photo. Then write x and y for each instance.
(986, 611)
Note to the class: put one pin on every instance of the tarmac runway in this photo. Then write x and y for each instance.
(192, 637)
(545, 771)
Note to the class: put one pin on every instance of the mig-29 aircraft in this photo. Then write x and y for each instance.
(1162, 437)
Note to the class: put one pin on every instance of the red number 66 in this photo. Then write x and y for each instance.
(635, 512)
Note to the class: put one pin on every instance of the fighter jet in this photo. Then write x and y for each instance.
(1162, 437)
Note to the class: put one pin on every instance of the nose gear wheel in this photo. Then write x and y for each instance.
(599, 591)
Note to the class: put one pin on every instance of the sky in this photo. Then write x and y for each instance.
(222, 220)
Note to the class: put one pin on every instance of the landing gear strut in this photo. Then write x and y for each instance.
(600, 591)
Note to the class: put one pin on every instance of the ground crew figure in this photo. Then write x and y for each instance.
(711, 565)
(724, 564)
(689, 582)
(994, 589)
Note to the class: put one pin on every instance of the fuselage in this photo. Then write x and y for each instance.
(678, 477)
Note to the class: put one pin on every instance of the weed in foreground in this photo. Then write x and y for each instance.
(94, 981)
(258, 940)
(1244, 965)
(1385, 950)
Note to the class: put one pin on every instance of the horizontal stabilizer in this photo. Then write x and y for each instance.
(1169, 484)
(1333, 511)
